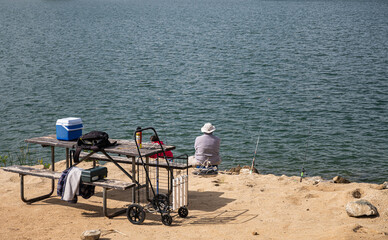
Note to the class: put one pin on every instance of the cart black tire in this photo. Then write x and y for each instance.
(166, 219)
(183, 212)
(135, 214)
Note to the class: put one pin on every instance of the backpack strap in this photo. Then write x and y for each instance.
(76, 154)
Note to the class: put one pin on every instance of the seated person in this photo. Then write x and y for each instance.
(155, 139)
(207, 148)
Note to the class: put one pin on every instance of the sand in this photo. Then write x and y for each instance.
(245, 206)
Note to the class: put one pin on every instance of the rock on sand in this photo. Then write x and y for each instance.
(361, 208)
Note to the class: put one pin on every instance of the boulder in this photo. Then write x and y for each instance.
(361, 208)
(91, 235)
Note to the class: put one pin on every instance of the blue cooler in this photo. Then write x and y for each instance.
(69, 128)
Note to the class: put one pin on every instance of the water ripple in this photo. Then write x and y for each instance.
(310, 76)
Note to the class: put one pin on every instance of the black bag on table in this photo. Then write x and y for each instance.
(94, 140)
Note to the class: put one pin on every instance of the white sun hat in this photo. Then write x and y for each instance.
(208, 128)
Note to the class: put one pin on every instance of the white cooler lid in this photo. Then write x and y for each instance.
(69, 121)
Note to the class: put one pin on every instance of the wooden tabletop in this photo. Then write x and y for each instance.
(124, 147)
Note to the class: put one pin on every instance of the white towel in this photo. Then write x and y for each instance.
(72, 184)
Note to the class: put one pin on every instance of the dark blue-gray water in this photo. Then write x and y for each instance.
(309, 77)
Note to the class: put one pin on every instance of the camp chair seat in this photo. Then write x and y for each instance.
(206, 169)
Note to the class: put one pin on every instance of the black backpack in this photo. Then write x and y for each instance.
(94, 140)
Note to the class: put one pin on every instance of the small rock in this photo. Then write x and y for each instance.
(235, 170)
(91, 235)
(357, 228)
(361, 208)
(356, 193)
(316, 180)
(255, 233)
(254, 170)
(339, 179)
(382, 186)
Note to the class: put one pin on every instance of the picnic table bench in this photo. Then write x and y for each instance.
(46, 173)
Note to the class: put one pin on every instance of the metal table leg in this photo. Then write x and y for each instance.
(104, 206)
(32, 200)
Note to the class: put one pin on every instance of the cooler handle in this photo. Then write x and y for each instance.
(75, 129)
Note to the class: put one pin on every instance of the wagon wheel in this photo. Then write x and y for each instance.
(135, 214)
(166, 219)
(183, 212)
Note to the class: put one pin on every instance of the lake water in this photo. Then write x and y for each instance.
(309, 77)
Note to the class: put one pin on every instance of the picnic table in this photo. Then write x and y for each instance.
(124, 152)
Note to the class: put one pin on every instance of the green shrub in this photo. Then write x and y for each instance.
(4, 160)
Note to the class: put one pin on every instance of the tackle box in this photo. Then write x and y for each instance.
(94, 174)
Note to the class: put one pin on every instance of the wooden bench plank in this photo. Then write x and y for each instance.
(46, 173)
(111, 183)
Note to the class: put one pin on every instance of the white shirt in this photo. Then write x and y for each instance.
(207, 147)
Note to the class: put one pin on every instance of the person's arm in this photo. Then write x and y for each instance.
(196, 143)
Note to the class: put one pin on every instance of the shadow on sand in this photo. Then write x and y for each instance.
(206, 204)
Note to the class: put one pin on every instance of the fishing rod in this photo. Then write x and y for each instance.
(254, 156)
(302, 172)
(257, 143)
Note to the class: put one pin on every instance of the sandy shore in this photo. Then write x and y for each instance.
(245, 206)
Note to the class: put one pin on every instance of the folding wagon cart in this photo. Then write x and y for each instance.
(166, 185)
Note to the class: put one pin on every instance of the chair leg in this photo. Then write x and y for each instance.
(105, 209)
(32, 200)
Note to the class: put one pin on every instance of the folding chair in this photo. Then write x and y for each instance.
(206, 169)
